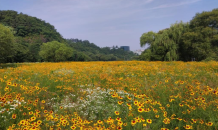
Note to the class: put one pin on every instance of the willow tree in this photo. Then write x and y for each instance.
(164, 45)
(168, 44)
(147, 38)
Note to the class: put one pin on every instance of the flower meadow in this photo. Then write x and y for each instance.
(128, 95)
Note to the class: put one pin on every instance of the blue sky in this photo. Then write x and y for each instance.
(110, 22)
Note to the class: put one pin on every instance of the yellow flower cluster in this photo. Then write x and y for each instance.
(114, 95)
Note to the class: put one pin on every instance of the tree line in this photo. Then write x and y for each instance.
(84, 50)
(28, 39)
(196, 40)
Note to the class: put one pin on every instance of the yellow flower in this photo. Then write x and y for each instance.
(118, 119)
(39, 122)
(140, 109)
(133, 122)
(136, 102)
(194, 120)
(170, 100)
(209, 124)
(187, 127)
(164, 129)
(73, 127)
(120, 102)
(31, 112)
(179, 119)
(8, 83)
(192, 93)
(100, 122)
(117, 113)
(14, 116)
(33, 118)
(149, 121)
(166, 121)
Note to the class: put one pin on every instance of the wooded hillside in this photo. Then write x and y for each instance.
(29, 39)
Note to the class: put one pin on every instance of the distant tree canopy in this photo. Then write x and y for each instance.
(196, 40)
(29, 27)
(92, 52)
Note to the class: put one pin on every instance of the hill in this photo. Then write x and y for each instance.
(29, 34)
(29, 27)
(84, 50)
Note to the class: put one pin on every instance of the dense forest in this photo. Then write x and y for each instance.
(25, 38)
(196, 40)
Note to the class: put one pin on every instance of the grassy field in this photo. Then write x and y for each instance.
(129, 95)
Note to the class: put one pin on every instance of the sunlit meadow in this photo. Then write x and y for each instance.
(129, 95)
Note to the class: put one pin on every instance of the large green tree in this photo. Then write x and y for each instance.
(55, 51)
(163, 46)
(201, 41)
(6, 43)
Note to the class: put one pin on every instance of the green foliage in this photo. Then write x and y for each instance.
(26, 26)
(147, 38)
(146, 55)
(91, 52)
(201, 39)
(6, 43)
(164, 44)
(184, 41)
(21, 52)
(55, 51)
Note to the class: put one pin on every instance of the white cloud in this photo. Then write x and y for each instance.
(168, 5)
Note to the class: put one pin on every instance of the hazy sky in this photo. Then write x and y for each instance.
(110, 22)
